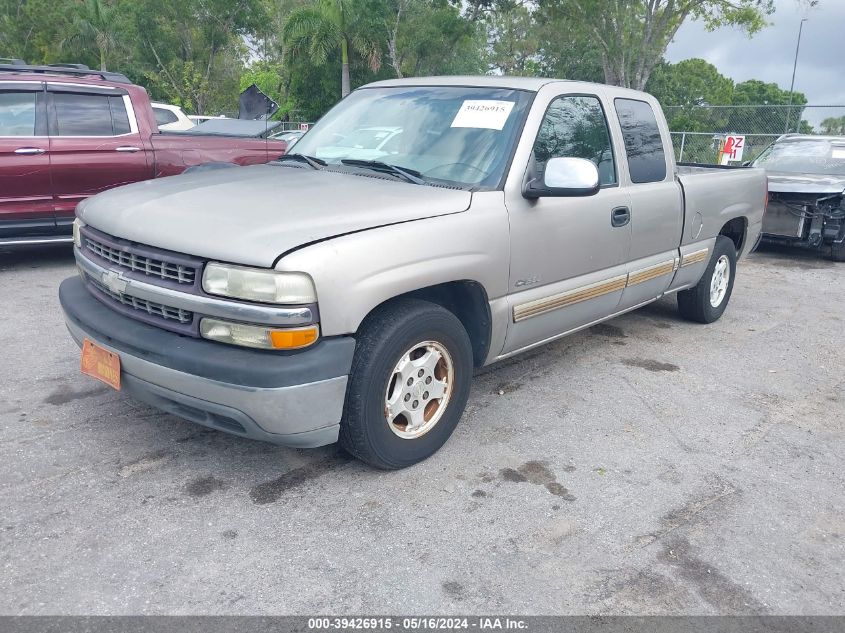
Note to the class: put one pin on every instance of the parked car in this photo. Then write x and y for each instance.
(201, 118)
(369, 143)
(67, 133)
(171, 117)
(308, 301)
(288, 136)
(807, 192)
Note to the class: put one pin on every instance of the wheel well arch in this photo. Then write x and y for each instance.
(736, 230)
(468, 301)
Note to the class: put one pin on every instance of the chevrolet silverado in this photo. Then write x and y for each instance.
(345, 293)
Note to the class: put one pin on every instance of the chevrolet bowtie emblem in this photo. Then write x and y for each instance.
(114, 282)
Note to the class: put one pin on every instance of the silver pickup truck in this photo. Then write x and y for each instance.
(423, 228)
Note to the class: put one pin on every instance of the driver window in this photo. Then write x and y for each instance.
(575, 127)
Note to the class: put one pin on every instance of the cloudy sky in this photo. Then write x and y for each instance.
(769, 54)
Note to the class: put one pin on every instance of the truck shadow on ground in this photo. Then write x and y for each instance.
(785, 256)
(35, 256)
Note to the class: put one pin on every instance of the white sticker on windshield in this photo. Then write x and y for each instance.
(838, 153)
(487, 115)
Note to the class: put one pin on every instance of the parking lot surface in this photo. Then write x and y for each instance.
(647, 465)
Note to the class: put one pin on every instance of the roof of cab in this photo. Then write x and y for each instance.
(79, 71)
(532, 84)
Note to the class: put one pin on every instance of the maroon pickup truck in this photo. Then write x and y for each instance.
(69, 132)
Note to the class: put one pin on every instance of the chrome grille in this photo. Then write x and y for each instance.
(152, 308)
(139, 263)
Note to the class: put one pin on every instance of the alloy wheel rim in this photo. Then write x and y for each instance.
(419, 389)
(720, 280)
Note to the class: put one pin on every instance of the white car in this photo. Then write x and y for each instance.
(368, 143)
(202, 118)
(171, 117)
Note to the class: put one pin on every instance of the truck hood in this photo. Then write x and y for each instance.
(785, 182)
(251, 215)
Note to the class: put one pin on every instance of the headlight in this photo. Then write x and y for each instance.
(259, 336)
(256, 284)
(77, 236)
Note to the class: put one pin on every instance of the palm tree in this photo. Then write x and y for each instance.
(324, 27)
(96, 25)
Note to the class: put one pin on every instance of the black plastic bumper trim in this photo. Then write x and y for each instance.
(329, 358)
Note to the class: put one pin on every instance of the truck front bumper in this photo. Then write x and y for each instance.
(293, 399)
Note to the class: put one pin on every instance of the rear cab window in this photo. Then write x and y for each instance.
(643, 142)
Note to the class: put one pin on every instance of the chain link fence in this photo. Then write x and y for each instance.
(288, 126)
(698, 131)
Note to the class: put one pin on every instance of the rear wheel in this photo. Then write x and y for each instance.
(707, 301)
(408, 386)
(837, 252)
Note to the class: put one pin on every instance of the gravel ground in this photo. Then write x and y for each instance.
(647, 465)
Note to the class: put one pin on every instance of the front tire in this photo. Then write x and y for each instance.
(837, 252)
(707, 301)
(408, 386)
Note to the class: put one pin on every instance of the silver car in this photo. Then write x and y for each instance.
(337, 296)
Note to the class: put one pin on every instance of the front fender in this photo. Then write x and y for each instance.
(356, 273)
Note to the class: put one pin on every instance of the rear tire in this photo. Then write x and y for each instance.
(707, 301)
(837, 252)
(407, 354)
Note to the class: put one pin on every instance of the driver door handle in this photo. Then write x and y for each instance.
(620, 216)
(30, 151)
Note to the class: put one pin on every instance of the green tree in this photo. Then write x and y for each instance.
(692, 82)
(564, 51)
(833, 126)
(430, 37)
(535, 39)
(632, 35)
(192, 52)
(767, 109)
(325, 26)
(30, 30)
(514, 43)
(96, 26)
(686, 89)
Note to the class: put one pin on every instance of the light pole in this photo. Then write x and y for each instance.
(794, 68)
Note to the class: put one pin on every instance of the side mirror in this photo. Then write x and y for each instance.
(565, 177)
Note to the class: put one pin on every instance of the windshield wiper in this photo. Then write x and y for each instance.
(409, 175)
(315, 163)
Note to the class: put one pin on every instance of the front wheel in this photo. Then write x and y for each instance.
(837, 251)
(707, 301)
(408, 386)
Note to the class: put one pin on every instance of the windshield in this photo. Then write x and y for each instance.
(807, 156)
(456, 135)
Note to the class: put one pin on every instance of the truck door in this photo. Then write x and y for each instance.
(568, 255)
(94, 144)
(656, 203)
(26, 198)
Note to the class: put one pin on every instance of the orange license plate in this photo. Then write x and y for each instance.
(101, 364)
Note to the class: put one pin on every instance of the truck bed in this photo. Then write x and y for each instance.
(175, 151)
(713, 194)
